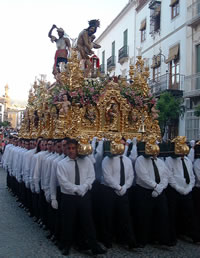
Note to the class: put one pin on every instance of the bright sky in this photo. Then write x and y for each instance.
(25, 49)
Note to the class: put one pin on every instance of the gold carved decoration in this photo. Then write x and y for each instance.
(65, 110)
(151, 147)
(181, 147)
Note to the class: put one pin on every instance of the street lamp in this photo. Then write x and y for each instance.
(160, 55)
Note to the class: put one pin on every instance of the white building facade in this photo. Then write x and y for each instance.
(1, 112)
(159, 29)
(118, 42)
(192, 79)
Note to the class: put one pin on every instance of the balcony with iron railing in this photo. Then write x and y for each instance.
(111, 63)
(192, 85)
(123, 54)
(166, 83)
(193, 13)
(102, 68)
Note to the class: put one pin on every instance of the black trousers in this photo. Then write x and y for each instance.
(35, 204)
(75, 209)
(151, 215)
(181, 214)
(196, 199)
(29, 201)
(8, 180)
(97, 211)
(43, 207)
(23, 194)
(116, 217)
(51, 219)
(57, 214)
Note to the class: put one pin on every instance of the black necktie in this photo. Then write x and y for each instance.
(122, 175)
(156, 172)
(185, 171)
(77, 175)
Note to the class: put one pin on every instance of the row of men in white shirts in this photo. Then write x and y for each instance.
(40, 171)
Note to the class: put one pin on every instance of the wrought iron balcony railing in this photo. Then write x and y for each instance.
(192, 85)
(123, 53)
(111, 62)
(166, 83)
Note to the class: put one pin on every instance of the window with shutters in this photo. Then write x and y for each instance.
(174, 74)
(175, 8)
(174, 67)
(156, 68)
(102, 67)
(198, 66)
(155, 15)
(125, 37)
(113, 48)
(143, 30)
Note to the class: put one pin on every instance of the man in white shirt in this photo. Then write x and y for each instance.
(26, 174)
(45, 185)
(55, 191)
(75, 177)
(5, 160)
(41, 166)
(35, 175)
(196, 189)
(150, 198)
(191, 152)
(20, 176)
(179, 194)
(117, 179)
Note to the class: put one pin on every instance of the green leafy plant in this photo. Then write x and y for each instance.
(197, 111)
(170, 109)
(5, 124)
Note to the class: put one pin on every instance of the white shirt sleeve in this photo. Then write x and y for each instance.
(63, 179)
(134, 154)
(107, 174)
(142, 173)
(191, 155)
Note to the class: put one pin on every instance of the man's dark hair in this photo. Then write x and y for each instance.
(38, 149)
(72, 141)
(57, 140)
(94, 23)
(66, 139)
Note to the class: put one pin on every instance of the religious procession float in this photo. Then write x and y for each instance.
(82, 103)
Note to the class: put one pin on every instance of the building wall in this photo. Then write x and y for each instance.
(1, 112)
(172, 32)
(115, 33)
(15, 118)
(192, 81)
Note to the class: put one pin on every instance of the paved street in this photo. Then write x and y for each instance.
(21, 237)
